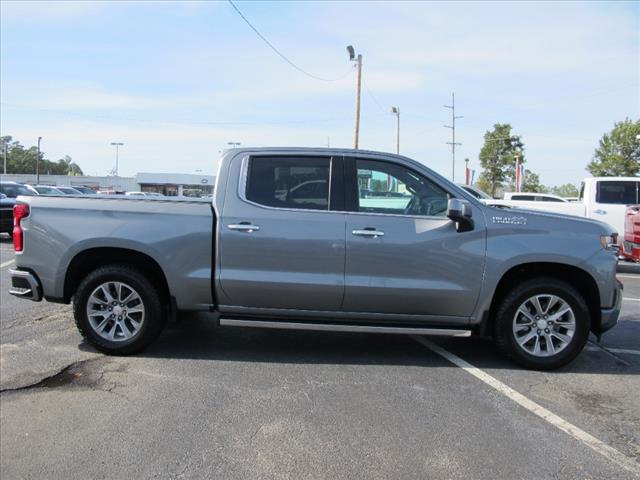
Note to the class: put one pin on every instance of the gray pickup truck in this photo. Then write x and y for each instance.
(322, 239)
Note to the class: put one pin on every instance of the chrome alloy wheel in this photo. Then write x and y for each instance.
(544, 325)
(115, 311)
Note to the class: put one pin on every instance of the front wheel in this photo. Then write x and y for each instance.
(118, 310)
(542, 323)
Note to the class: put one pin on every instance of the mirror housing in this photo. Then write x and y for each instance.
(460, 211)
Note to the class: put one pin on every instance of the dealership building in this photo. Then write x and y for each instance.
(170, 184)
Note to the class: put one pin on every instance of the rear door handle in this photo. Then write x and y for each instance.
(600, 212)
(243, 227)
(368, 232)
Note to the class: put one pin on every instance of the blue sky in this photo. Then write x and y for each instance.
(176, 81)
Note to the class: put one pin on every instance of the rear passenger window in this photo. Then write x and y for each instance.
(524, 198)
(617, 192)
(289, 182)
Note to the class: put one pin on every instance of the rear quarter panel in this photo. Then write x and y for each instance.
(176, 234)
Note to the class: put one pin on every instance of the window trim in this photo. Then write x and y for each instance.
(333, 172)
(352, 195)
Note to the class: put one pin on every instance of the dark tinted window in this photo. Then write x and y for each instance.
(528, 198)
(289, 182)
(390, 188)
(617, 192)
(548, 199)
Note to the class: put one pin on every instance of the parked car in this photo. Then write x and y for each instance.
(46, 190)
(533, 197)
(442, 263)
(631, 243)
(9, 192)
(144, 194)
(69, 190)
(84, 190)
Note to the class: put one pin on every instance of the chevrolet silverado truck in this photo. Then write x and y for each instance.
(322, 239)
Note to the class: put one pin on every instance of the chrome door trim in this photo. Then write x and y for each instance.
(368, 233)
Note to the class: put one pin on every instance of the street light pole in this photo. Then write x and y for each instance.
(6, 146)
(396, 112)
(38, 163)
(358, 60)
(117, 145)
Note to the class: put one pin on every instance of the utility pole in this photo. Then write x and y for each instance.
(117, 145)
(358, 60)
(453, 142)
(6, 146)
(38, 163)
(396, 112)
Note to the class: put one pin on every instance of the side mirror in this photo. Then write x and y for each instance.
(460, 212)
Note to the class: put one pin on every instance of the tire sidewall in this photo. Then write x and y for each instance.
(153, 320)
(541, 287)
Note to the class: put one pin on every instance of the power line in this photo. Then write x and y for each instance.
(282, 55)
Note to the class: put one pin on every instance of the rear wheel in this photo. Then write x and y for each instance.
(118, 310)
(542, 323)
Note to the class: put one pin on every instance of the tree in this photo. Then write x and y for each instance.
(23, 160)
(532, 183)
(498, 158)
(566, 190)
(619, 152)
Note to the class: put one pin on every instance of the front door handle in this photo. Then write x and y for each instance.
(243, 227)
(600, 212)
(368, 232)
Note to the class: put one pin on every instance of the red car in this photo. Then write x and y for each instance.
(631, 243)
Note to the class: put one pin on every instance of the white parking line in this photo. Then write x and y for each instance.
(631, 299)
(637, 277)
(590, 441)
(2, 265)
(613, 350)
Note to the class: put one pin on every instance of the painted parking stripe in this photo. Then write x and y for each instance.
(631, 299)
(613, 350)
(637, 277)
(5, 264)
(587, 439)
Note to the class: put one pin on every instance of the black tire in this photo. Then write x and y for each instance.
(154, 319)
(503, 326)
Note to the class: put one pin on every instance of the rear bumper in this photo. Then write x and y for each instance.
(25, 284)
(609, 316)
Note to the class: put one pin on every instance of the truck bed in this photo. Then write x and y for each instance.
(63, 228)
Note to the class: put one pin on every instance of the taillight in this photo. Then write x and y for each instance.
(20, 211)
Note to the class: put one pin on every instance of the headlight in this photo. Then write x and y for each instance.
(610, 242)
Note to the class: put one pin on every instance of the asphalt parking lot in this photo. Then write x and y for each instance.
(206, 402)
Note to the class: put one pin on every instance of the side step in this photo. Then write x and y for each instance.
(336, 327)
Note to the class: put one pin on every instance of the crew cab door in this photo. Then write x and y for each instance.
(282, 234)
(404, 256)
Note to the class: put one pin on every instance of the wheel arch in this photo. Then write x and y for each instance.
(88, 260)
(575, 276)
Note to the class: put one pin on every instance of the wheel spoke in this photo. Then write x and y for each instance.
(524, 312)
(536, 305)
(563, 338)
(549, 344)
(560, 313)
(117, 323)
(524, 339)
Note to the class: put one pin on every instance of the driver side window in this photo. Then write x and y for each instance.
(393, 189)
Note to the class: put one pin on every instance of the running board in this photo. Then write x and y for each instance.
(330, 327)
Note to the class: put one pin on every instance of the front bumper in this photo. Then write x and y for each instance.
(609, 316)
(25, 284)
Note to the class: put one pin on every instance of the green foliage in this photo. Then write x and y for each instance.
(378, 186)
(23, 160)
(498, 158)
(566, 190)
(619, 152)
(532, 183)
